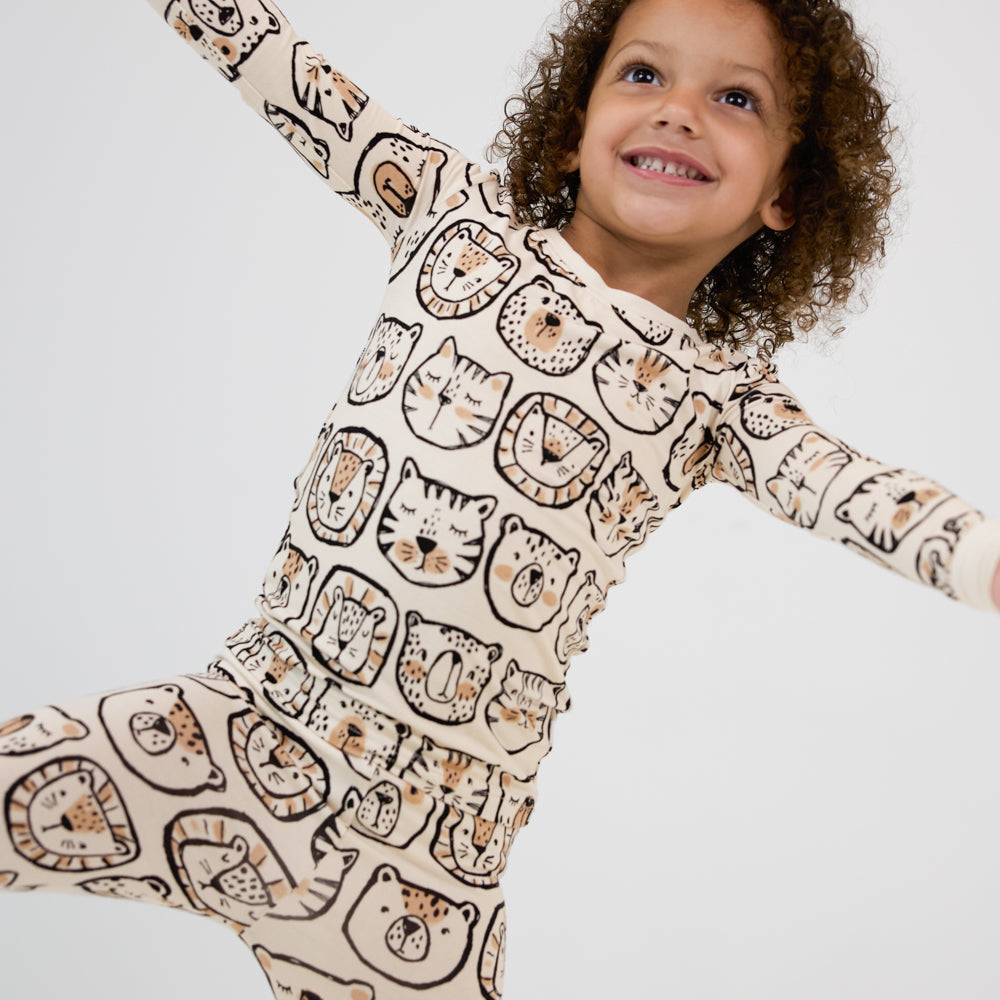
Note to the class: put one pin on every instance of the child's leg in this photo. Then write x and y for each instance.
(180, 793)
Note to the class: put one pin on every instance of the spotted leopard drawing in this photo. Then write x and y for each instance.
(765, 414)
(442, 670)
(550, 450)
(431, 534)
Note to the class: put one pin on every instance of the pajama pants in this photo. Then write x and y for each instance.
(187, 794)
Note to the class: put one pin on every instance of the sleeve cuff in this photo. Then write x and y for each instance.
(974, 563)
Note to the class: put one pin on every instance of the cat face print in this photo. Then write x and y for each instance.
(886, 508)
(346, 485)
(157, 735)
(451, 401)
(467, 267)
(804, 475)
(527, 575)
(522, 714)
(387, 351)
(68, 815)
(352, 627)
(442, 670)
(640, 387)
(222, 34)
(545, 329)
(411, 935)
(288, 581)
(550, 450)
(325, 93)
(431, 534)
(623, 510)
(296, 133)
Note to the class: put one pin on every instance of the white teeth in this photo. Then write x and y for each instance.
(670, 167)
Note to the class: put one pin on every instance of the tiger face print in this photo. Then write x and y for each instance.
(623, 510)
(431, 534)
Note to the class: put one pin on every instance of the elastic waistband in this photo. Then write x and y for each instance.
(337, 726)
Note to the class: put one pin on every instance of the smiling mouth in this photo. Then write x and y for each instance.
(668, 167)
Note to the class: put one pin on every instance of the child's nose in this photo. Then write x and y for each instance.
(679, 107)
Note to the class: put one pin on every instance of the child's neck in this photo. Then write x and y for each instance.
(668, 281)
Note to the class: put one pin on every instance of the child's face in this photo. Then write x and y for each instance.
(686, 132)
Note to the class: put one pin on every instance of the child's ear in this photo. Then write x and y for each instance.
(571, 158)
(779, 214)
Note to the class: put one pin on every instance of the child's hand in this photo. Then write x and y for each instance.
(996, 587)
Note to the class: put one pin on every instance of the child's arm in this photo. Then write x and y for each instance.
(769, 449)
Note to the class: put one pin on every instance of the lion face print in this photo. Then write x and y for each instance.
(442, 670)
(527, 575)
(431, 534)
(381, 363)
(545, 330)
(451, 401)
(640, 387)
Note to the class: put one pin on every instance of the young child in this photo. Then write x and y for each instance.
(343, 787)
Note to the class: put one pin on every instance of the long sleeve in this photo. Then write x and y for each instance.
(769, 449)
(392, 173)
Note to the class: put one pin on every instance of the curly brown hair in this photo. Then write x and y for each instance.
(842, 174)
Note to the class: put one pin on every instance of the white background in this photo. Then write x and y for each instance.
(779, 779)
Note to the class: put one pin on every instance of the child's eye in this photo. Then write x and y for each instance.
(740, 99)
(640, 74)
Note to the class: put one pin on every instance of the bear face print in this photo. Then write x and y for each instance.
(887, 507)
(467, 267)
(623, 510)
(281, 771)
(224, 34)
(527, 575)
(550, 450)
(545, 330)
(157, 735)
(640, 387)
(346, 486)
(352, 626)
(804, 476)
(68, 816)
(451, 401)
(291, 978)
(288, 581)
(431, 534)
(381, 363)
(325, 93)
(411, 935)
(442, 670)
(41, 730)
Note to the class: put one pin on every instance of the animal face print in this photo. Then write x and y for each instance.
(282, 673)
(527, 575)
(545, 330)
(523, 712)
(368, 740)
(572, 635)
(288, 581)
(623, 510)
(687, 465)
(492, 958)
(392, 812)
(640, 387)
(346, 486)
(431, 534)
(224, 34)
(69, 816)
(765, 414)
(148, 889)
(442, 670)
(887, 507)
(409, 934)
(651, 330)
(387, 351)
(733, 463)
(158, 737)
(550, 450)
(451, 401)
(296, 132)
(472, 848)
(324, 92)
(934, 560)
(280, 770)
(540, 246)
(466, 269)
(448, 775)
(41, 730)
(804, 475)
(353, 625)
(292, 978)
